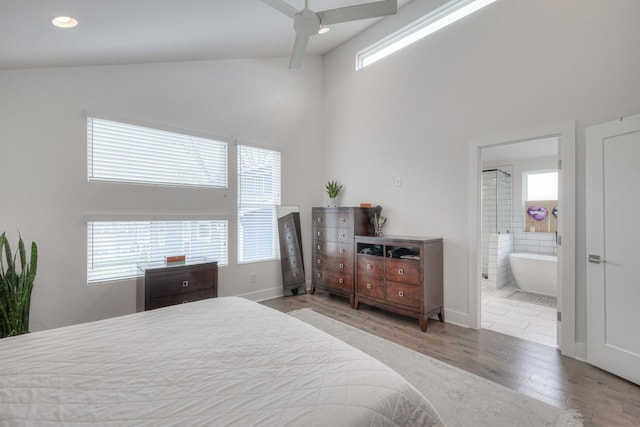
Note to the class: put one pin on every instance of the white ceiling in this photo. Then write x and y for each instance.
(139, 31)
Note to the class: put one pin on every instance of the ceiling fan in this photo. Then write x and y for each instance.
(307, 22)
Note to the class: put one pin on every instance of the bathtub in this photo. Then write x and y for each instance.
(535, 273)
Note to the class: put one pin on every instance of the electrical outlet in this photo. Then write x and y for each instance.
(252, 277)
(398, 181)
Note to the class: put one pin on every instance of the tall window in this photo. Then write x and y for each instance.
(116, 247)
(120, 152)
(258, 196)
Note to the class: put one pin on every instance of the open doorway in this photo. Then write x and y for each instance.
(565, 134)
(519, 198)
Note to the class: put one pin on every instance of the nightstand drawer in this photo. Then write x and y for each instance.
(171, 284)
(180, 299)
(370, 265)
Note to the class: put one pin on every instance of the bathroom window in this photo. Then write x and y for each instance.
(541, 201)
(542, 185)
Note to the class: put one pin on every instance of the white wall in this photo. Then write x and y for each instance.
(45, 195)
(512, 65)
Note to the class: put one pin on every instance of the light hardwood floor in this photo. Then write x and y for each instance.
(533, 369)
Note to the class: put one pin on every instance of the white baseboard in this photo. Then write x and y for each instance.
(581, 351)
(263, 294)
(456, 318)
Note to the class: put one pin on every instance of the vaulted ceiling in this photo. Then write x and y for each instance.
(141, 31)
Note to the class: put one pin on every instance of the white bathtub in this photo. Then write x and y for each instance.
(535, 273)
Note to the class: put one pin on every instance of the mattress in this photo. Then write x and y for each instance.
(217, 362)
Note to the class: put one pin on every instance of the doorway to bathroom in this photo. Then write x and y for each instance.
(564, 133)
(519, 199)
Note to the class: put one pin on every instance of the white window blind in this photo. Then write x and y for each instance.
(258, 196)
(114, 248)
(120, 152)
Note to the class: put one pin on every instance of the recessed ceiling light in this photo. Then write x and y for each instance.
(64, 22)
(323, 30)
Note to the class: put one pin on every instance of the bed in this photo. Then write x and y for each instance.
(216, 362)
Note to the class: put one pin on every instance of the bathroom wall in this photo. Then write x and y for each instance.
(499, 269)
(523, 241)
(497, 206)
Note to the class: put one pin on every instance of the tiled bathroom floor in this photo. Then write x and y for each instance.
(517, 318)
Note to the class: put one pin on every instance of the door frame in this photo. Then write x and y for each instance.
(566, 132)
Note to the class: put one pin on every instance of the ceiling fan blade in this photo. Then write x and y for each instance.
(282, 6)
(299, 48)
(360, 11)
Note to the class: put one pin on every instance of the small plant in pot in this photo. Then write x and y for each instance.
(15, 287)
(333, 189)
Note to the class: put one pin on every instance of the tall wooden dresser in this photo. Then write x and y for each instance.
(333, 251)
(291, 259)
(400, 274)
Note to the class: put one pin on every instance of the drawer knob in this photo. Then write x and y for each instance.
(401, 293)
(369, 286)
(295, 274)
(340, 280)
(319, 261)
(401, 272)
(319, 247)
(341, 250)
(319, 275)
(369, 267)
(341, 265)
(342, 235)
(319, 220)
(185, 283)
(319, 233)
(342, 219)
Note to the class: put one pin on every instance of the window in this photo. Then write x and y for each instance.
(541, 185)
(115, 248)
(419, 29)
(258, 196)
(120, 152)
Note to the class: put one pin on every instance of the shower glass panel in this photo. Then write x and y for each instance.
(497, 207)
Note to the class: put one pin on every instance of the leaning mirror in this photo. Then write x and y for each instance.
(291, 260)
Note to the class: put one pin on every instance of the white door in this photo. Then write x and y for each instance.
(613, 246)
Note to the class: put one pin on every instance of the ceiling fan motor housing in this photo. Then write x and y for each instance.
(306, 22)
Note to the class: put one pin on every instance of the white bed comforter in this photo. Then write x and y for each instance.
(217, 362)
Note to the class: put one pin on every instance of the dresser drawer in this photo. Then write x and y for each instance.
(333, 263)
(333, 279)
(370, 265)
(340, 218)
(292, 275)
(325, 247)
(403, 270)
(402, 293)
(370, 286)
(180, 299)
(179, 283)
(331, 234)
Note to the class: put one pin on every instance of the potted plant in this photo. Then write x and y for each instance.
(15, 287)
(333, 189)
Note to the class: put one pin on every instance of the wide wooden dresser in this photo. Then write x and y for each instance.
(333, 230)
(400, 274)
(163, 285)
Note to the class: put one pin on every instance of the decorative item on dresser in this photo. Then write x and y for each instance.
(333, 230)
(291, 259)
(400, 274)
(163, 285)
